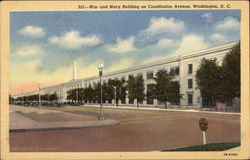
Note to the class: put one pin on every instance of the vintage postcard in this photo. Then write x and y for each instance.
(124, 80)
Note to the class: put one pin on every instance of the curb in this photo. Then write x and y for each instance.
(167, 110)
(60, 128)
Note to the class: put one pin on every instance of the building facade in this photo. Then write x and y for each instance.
(184, 68)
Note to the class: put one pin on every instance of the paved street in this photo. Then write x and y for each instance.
(139, 130)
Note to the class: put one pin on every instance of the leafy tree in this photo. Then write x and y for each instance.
(165, 89)
(45, 97)
(34, 97)
(174, 94)
(11, 99)
(89, 94)
(221, 83)
(209, 77)
(76, 95)
(117, 89)
(231, 73)
(80, 94)
(53, 97)
(106, 92)
(70, 95)
(135, 86)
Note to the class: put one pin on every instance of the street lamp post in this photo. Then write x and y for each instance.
(100, 67)
(77, 96)
(115, 95)
(22, 99)
(39, 100)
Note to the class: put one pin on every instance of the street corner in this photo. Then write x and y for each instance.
(20, 122)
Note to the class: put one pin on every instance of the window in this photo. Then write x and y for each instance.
(150, 94)
(150, 75)
(161, 70)
(190, 68)
(175, 71)
(190, 83)
(190, 99)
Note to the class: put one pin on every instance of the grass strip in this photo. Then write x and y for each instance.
(208, 147)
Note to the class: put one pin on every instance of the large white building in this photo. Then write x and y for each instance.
(183, 66)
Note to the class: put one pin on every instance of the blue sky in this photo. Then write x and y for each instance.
(43, 44)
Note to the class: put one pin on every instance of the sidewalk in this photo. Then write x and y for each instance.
(21, 123)
(163, 109)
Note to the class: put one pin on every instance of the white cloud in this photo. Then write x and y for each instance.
(73, 40)
(121, 64)
(122, 45)
(228, 24)
(208, 17)
(29, 50)
(218, 38)
(165, 42)
(32, 31)
(192, 42)
(160, 25)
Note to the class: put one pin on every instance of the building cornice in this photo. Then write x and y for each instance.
(169, 60)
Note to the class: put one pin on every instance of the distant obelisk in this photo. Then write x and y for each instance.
(74, 70)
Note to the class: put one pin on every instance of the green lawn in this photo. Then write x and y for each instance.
(208, 147)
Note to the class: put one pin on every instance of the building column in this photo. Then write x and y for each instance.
(127, 101)
(155, 101)
(135, 101)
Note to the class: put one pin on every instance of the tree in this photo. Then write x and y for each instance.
(89, 94)
(209, 77)
(174, 94)
(107, 92)
(80, 94)
(231, 73)
(70, 95)
(136, 88)
(221, 83)
(165, 89)
(117, 89)
(11, 99)
(53, 97)
(45, 97)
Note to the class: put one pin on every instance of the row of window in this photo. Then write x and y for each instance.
(149, 75)
(175, 71)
